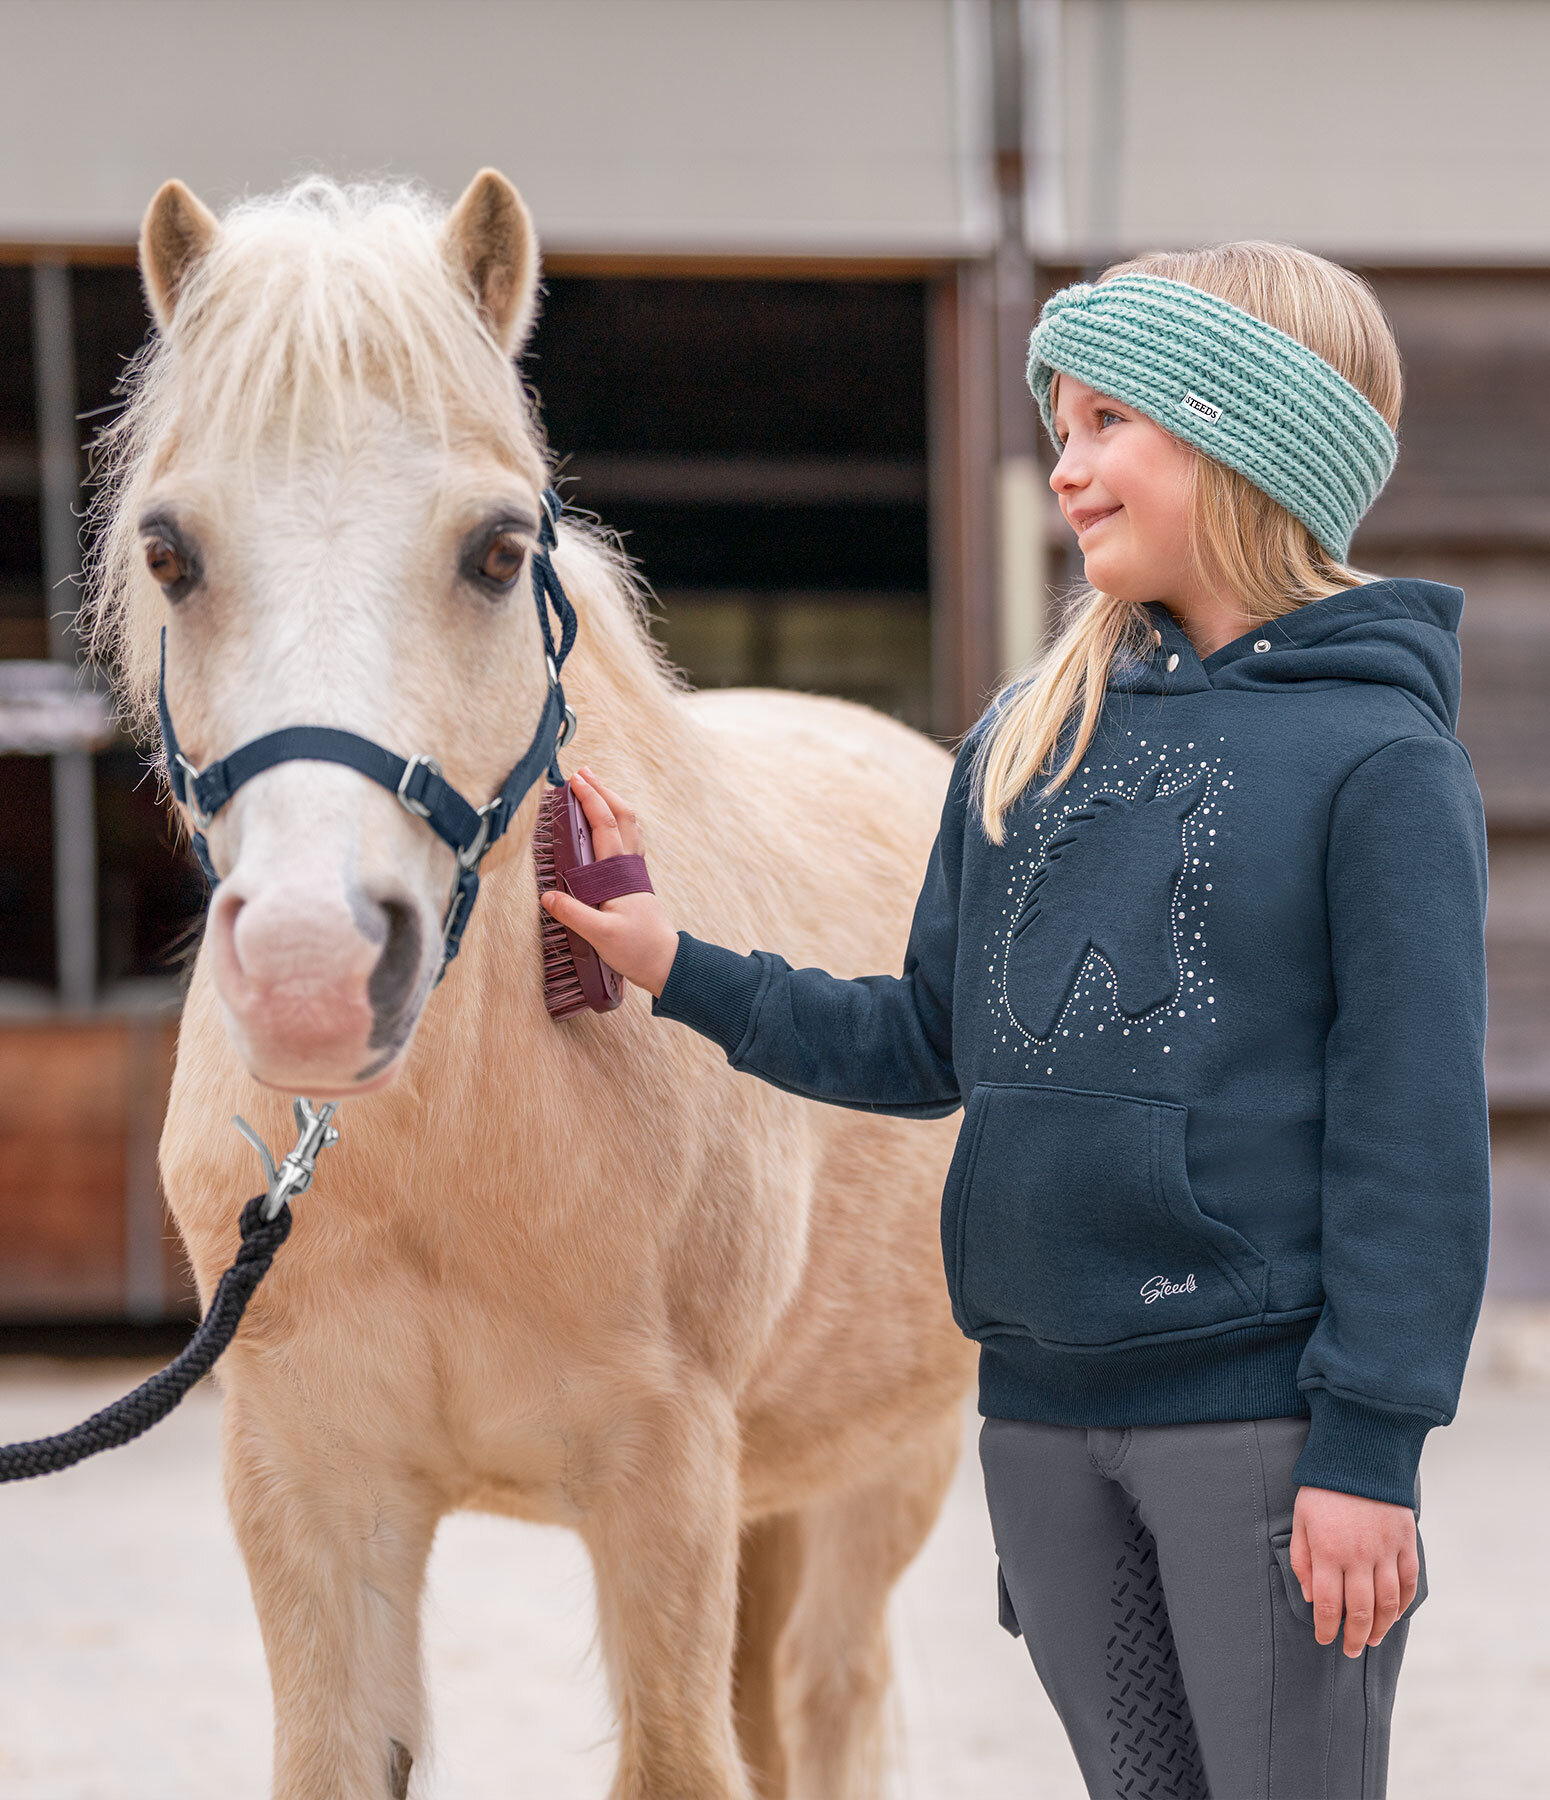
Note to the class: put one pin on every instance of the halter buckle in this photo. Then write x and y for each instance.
(417, 807)
(567, 728)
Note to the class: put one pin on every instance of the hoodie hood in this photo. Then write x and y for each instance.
(1397, 633)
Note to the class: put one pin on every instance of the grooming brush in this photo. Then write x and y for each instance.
(575, 976)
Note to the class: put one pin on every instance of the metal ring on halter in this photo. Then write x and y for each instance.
(471, 855)
(190, 776)
(417, 807)
(567, 729)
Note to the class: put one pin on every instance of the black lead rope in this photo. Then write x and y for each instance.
(265, 1224)
(150, 1403)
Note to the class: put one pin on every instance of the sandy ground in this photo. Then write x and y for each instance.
(130, 1664)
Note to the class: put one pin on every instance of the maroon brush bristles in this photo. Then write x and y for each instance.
(575, 976)
(562, 986)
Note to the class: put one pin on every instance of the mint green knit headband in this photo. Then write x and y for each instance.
(1226, 382)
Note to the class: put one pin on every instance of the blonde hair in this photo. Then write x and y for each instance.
(1240, 539)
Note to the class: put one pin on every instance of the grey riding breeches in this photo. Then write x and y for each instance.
(1148, 1571)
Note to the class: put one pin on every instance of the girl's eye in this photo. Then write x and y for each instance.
(1106, 415)
(502, 561)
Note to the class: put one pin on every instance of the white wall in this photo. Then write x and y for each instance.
(1390, 129)
(815, 125)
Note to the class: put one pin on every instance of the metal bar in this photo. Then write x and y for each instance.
(145, 1296)
(1020, 567)
(75, 823)
(961, 360)
(1106, 194)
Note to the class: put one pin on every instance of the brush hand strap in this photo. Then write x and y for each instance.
(610, 876)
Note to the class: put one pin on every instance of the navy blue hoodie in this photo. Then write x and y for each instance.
(1215, 1013)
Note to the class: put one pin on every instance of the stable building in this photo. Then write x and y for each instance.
(793, 249)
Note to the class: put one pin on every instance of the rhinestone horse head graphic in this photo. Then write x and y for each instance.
(1105, 886)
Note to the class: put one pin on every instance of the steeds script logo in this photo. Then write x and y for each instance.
(1159, 1285)
(1202, 409)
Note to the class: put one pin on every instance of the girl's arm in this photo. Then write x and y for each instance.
(1406, 1183)
(878, 1043)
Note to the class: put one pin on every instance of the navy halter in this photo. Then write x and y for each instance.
(417, 781)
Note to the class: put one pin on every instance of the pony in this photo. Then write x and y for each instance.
(578, 1272)
(1083, 900)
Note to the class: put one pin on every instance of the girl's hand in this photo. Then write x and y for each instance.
(631, 933)
(1357, 1555)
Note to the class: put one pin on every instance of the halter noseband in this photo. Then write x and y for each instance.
(417, 781)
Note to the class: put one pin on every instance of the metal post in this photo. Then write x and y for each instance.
(961, 363)
(145, 1218)
(1020, 494)
(75, 824)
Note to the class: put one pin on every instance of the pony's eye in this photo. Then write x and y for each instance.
(503, 557)
(170, 554)
(166, 562)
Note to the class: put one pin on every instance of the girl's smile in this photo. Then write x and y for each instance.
(1084, 519)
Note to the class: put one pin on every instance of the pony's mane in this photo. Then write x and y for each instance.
(309, 301)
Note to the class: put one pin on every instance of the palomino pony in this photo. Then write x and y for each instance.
(580, 1271)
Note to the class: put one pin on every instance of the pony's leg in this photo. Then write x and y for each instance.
(768, 1572)
(336, 1555)
(834, 1656)
(662, 1530)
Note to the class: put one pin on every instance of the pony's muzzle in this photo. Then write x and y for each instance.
(320, 989)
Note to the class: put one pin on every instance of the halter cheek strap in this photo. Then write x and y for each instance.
(416, 781)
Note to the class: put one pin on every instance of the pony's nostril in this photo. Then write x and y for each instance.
(392, 980)
(225, 906)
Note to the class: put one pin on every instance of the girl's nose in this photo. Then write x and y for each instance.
(1066, 475)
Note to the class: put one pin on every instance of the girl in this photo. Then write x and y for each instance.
(1200, 949)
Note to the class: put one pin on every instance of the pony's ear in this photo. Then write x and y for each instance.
(1184, 800)
(175, 234)
(1147, 792)
(491, 247)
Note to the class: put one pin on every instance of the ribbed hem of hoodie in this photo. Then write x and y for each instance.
(1250, 1373)
(710, 989)
(1359, 1449)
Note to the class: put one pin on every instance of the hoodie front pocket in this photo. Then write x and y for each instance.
(1068, 1218)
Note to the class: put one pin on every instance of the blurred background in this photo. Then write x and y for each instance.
(793, 249)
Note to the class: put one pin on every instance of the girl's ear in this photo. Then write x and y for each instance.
(492, 249)
(175, 234)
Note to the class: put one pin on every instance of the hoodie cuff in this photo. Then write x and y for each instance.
(711, 989)
(1359, 1449)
